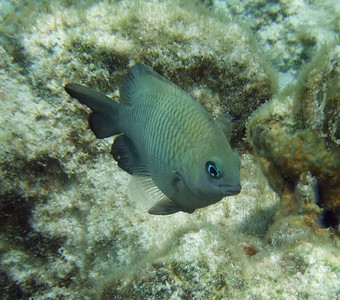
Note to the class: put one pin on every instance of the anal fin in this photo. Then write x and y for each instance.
(164, 207)
(167, 207)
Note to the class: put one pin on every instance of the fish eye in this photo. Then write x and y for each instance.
(212, 170)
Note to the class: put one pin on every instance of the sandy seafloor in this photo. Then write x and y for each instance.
(74, 226)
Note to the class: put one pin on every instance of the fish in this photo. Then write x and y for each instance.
(165, 136)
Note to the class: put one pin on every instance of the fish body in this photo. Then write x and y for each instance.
(166, 136)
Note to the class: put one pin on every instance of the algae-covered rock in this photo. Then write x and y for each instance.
(289, 31)
(205, 53)
(70, 227)
(67, 223)
(296, 136)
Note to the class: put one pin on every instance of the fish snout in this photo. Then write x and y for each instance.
(230, 190)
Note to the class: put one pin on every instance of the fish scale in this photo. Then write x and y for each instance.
(160, 129)
(167, 136)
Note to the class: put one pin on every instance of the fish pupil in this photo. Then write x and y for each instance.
(212, 170)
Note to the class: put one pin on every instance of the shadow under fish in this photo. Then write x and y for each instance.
(166, 136)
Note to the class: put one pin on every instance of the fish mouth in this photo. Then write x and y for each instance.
(230, 190)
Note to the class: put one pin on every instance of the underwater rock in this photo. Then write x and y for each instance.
(296, 135)
(69, 227)
(67, 219)
(289, 31)
(207, 54)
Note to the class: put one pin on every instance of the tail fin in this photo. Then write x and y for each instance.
(104, 118)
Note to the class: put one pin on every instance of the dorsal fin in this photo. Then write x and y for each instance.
(139, 79)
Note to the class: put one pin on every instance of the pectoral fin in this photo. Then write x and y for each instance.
(126, 154)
